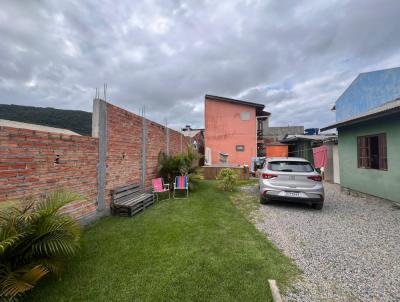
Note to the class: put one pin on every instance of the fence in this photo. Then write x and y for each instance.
(124, 149)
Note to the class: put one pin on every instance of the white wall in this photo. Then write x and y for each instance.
(336, 165)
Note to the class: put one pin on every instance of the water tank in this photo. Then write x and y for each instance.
(311, 131)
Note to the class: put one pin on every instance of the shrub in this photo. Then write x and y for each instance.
(194, 180)
(35, 240)
(228, 179)
(181, 164)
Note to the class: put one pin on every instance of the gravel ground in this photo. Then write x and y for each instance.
(348, 251)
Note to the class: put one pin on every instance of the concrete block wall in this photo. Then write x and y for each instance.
(275, 134)
(35, 162)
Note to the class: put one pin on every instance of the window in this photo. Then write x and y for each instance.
(240, 148)
(245, 116)
(290, 166)
(372, 152)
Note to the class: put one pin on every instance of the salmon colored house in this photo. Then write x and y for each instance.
(232, 130)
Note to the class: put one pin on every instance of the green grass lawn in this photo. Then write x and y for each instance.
(197, 249)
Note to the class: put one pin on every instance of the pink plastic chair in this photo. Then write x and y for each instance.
(160, 187)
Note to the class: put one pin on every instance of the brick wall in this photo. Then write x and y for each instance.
(27, 166)
(175, 143)
(27, 158)
(124, 147)
(124, 143)
(156, 143)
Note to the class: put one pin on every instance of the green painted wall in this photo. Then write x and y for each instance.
(385, 184)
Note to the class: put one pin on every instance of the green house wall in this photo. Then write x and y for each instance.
(384, 184)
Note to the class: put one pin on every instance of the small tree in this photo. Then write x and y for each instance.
(181, 164)
(228, 179)
(35, 240)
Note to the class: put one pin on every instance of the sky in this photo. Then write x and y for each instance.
(296, 57)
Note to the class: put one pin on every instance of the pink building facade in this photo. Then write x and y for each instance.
(231, 128)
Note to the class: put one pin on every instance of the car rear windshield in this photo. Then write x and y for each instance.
(290, 166)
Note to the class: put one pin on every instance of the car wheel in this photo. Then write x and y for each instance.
(318, 206)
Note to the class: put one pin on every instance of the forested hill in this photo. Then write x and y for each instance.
(74, 120)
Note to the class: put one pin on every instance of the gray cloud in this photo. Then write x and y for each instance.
(295, 57)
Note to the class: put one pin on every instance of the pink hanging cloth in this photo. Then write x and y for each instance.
(320, 156)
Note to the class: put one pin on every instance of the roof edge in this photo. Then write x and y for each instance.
(362, 74)
(362, 118)
(348, 87)
(224, 99)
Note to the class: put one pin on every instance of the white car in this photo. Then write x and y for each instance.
(291, 179)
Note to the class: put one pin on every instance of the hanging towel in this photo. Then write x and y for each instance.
(320, 156)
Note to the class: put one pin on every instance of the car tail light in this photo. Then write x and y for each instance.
(268, 175)
(315, 177)
(321, 197)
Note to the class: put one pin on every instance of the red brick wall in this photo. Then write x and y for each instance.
(27, 159)
(156, 143)
(175, 146)
(124, 136)
(27, 166)
(124, 143)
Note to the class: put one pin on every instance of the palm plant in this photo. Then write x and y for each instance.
(35, 240)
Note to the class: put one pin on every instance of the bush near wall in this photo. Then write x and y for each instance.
(175, 165)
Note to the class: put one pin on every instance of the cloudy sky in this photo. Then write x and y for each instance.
(296, 57)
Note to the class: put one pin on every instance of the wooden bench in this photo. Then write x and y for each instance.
(129, 200)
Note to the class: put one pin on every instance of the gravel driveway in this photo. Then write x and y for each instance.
(349, 251)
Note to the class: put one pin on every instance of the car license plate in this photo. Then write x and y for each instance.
(292, 194)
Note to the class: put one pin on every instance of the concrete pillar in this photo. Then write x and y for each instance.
(99, 129)
(144, 151)
(167, 140)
